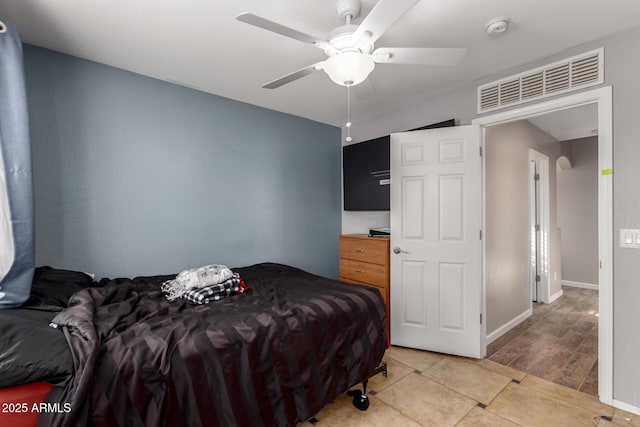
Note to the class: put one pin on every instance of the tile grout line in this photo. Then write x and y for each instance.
(568, 399)
(443, 385)
(461, 393)
(405, 414)
(560, 397)
(486, 408)
(400, 411)
(587, 376)
(513, 380)
(465, 415)
(398, 379)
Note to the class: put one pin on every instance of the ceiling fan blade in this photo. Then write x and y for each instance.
(418, 55)
(382, 16)
(274, 27)
(293, 76)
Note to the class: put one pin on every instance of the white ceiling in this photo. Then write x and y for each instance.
(572, 123)
(200, 44)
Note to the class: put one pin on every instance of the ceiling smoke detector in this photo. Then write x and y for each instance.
(497, 26)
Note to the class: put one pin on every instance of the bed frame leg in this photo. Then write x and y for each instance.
(360, 399)
(382, 368)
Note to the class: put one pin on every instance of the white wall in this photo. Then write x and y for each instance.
(578, 211)
(622, 68)
(354, 222)
(508, 245)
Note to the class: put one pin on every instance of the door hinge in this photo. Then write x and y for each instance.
(480, 151)
(537, 227)
(537, 277)
(480, 234)
(481, 318)
(536, 177)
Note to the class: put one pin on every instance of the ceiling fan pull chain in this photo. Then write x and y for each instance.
(348, 125)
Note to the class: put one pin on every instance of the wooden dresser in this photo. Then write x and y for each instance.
(365, 261)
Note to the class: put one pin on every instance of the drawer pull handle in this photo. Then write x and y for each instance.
(360, 251)
(358, 271)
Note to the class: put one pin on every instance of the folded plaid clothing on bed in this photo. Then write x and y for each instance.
(195, 278)
(204, 276)
(204, 295)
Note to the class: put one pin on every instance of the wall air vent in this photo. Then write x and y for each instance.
(563, 76)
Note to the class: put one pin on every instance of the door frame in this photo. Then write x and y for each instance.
(543, 293)
(602, 97)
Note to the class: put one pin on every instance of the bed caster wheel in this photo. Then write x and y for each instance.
(360, 400)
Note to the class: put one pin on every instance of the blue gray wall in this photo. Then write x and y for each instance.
(135, 176)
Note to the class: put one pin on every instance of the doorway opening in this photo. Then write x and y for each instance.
(600, 99)
(558, 341)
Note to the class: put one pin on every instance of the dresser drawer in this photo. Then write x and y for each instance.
(364, 272)
(365, 261)
(367, 249)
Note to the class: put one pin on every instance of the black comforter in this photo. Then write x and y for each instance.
(30, 350)
(272, 356)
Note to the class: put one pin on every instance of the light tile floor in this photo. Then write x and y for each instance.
(432, 389)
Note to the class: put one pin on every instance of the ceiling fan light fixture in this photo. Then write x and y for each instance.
(349, 68)
(350, 47)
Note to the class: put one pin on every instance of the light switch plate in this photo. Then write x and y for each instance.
(630, 238)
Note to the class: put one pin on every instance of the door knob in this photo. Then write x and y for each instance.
(397, 250)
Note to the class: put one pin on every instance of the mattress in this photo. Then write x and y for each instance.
(30, 350)
(272, 356)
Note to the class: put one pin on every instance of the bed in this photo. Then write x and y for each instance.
(274, 355)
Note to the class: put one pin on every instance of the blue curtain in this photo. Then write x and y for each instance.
(16, 188)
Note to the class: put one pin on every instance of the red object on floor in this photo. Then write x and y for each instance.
(16, 404)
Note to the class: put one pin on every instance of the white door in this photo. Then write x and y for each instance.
(534, 228)
(539, 225)
(436, 221)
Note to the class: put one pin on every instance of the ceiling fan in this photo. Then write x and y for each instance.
(350, 47)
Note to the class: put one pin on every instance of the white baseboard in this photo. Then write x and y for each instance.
(508, 326)
(555, 296)
(579, 284)
(626, 407)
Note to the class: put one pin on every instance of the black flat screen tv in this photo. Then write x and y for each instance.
(366, 172)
